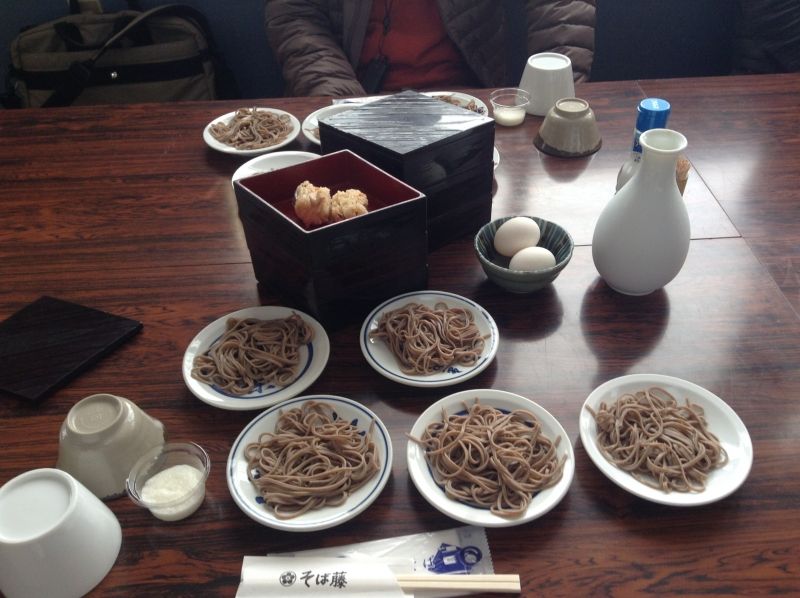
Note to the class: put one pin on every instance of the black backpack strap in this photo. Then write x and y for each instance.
(81, 71)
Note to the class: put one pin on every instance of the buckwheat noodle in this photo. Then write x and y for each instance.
(662, 444)
(491, 459)
(426, 341)
(253, 352)
(313, 459)
(251, 128)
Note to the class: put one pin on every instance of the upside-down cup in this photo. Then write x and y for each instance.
(569, 130)
(547, 77)
(57, 539)
(101, 438)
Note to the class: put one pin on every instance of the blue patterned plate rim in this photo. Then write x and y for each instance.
(382, 361)
(313, 358)
(245, 495)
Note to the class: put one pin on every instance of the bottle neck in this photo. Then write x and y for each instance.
(660, 151)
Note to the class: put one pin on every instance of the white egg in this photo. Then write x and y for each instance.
(515, 234)
(531, 259)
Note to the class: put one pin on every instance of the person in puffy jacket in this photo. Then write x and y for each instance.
(355, 47)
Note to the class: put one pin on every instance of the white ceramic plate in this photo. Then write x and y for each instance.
(311, 122)
(380, 357)
(270, 162)
(313, 358)
(423, 479)
(221, 147)
(247, 498)
(722, 421)
(461, 99)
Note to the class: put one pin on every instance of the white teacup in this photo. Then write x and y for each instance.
(57, 539)
(101, 438)
(547, 77)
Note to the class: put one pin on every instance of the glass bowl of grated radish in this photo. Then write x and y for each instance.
(170, 481)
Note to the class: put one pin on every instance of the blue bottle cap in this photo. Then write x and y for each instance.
(653, 114)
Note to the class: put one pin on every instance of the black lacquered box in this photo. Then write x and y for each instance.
(441, 149)
(337, 272)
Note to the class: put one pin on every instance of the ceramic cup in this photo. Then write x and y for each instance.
(569, 130)
(101, 438)
(57, 539)
(547, 77)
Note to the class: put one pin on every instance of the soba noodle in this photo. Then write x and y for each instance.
(492, 459)
(660, 443)
(253, 352)
(251, 128)
(426, 341)
(313, 459)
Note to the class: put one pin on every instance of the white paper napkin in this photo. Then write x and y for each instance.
(316, 577)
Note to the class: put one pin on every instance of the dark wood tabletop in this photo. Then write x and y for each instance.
(126, 209)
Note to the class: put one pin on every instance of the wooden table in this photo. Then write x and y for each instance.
(127, 210)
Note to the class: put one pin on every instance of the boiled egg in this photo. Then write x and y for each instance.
(530, 259)
(516, 234)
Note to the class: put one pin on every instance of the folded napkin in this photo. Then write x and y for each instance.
(317, 577)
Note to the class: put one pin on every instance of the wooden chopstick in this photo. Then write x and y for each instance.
(501, 583)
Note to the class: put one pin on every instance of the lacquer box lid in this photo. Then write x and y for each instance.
(405, 123)
(428, 143)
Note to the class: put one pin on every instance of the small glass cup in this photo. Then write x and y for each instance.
(509, 105)
(177, 492)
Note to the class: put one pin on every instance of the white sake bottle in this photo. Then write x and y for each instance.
(642, 237)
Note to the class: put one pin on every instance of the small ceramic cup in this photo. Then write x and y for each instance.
(101, 438)
(547, 77)
(569, 130)
(170, 481)
(508, 105)
(57, 539)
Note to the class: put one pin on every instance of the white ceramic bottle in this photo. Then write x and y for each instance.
(642, 236)
(651, 113)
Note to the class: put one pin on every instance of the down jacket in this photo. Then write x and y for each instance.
(318, 42)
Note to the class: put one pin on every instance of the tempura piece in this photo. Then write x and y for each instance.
(312, 204)
(347, 204)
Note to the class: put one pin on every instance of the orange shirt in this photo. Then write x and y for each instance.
(420, 54)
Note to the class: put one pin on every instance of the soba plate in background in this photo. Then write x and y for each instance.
(226, 118)
(313, 358)
(421, 475)
(721, 419)
(383, 361)
(270, 162)
(461, 99)
(247, 498)
(311, 122)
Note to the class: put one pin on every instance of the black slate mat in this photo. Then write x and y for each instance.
(50, 341)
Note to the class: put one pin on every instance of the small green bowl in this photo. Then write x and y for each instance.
(553, 237)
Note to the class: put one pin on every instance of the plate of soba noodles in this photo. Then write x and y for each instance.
(462, 100)
(255, 357)
(519, 466)
(251, 131)
(666, 440)
(309, 463)
(429, 339)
